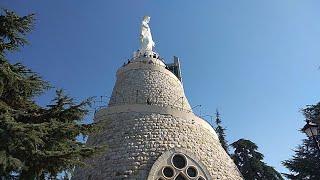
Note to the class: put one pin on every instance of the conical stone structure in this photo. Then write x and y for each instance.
(151, 131)
(147, 122)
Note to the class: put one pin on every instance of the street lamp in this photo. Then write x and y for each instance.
(311, 129)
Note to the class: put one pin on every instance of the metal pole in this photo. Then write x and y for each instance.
(315, 139)
(316, 142)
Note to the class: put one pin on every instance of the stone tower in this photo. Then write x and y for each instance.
(151, 131)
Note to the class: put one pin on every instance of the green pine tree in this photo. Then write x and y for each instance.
(312, 113)
(221, 133)
(305, 164)
(35, 142)
(249, 162)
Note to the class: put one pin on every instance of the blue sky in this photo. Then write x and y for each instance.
(256, 61)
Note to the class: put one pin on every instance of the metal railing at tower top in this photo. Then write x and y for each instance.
(138, 54)
(174, 67)
(143, 61)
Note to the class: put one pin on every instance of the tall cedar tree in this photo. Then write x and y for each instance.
(249, 162)
(221, 132)
(35, 142)
(305, 164)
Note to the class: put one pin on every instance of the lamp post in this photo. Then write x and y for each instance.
(311, 129)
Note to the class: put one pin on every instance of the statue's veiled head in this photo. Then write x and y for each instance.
(146, 19)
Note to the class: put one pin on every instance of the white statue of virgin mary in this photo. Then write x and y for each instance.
(145, 37)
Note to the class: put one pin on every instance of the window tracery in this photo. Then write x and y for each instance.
(175, 165)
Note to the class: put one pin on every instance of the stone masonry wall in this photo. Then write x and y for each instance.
(136, 139)
(148, 114)
(140, 82)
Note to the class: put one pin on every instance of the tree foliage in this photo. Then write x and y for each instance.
(35, 142)
(221, 133)
(305, 163)
(13, 29)
(249, 162)
(312, 112)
